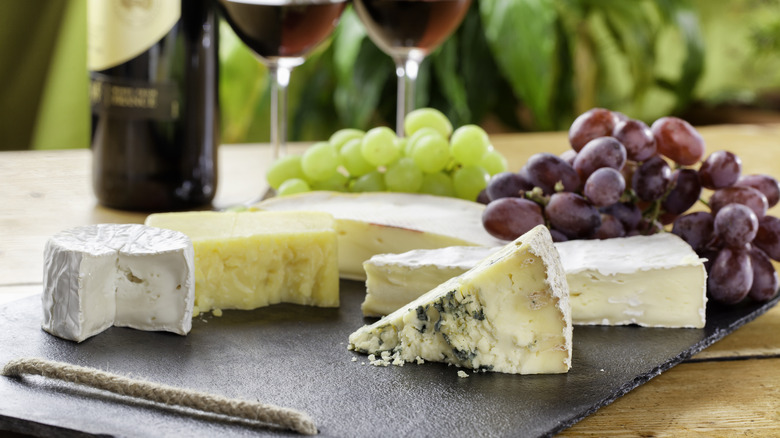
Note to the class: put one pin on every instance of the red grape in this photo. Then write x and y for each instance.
(594, 123)
(768, 236)
(637, 138)
(598, 153)
(568, 156)
(739, 195)
(685, 191)
(628, 213)
(572, 215)
(677, 139)
(610, 227)
(651, 179)
(721, 169)
(736, 224)
(731, 276)
(695, 228)
(510, 218)
(604, 187)
(764, 184)
(765, 278)
(507, 185)
(545, 170)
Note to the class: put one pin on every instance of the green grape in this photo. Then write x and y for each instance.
(427, 117)
(291, 186)
(402, 144)
(468, 181)
(284, 168)
(468, 144)
(352, 158)
(370, 182)
(438, 183)
(493, 162)
(431, 153)
(336, 183)
(414, 138)
(342, 136)
(403, 176)
(379, 147)
(320, 161)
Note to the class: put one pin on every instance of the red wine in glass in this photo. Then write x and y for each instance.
(282, 33)
(408, 30)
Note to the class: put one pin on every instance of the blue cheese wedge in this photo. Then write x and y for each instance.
(378, 223)
(510, 314)
(126, 275)
(652, 281)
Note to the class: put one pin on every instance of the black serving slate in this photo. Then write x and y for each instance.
(297, 357)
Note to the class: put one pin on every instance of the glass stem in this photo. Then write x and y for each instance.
(406, 70)
(280, 80)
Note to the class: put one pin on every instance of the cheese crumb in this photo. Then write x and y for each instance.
(354, 359)
(462, 374)
(216, 312)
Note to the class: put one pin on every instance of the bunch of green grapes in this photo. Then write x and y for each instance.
(431, 159)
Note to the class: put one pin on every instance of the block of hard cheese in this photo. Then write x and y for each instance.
(126, 275)
(510, 313)
(246, 260)
(654, 281)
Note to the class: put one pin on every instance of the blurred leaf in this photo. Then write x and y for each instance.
(522, 37)
(242, 83)
(361, 70)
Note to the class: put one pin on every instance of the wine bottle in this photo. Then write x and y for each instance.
(153, 68)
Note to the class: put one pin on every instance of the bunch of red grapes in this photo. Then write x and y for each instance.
(624, 178)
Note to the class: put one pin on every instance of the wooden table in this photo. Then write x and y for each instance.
(729, 389)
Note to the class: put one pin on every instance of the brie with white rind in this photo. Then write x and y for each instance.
(126, 275)
(653, 281)
(393, 280)
(510, 313)
(377, 223)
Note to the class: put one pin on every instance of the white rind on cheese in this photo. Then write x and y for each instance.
(653, 281)
(126, 275)
(393, 280)
(377, 223)
(510, 313)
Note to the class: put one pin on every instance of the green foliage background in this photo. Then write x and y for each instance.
(512, 65)
(526, 65)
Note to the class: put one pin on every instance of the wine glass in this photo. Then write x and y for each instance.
(281, 33)
(408, 30)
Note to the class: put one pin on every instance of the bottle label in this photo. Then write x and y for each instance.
(129, 99)
(120, 30)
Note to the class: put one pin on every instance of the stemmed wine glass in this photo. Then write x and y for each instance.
(281, 33)
(408, 30)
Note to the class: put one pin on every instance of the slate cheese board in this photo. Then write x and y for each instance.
(297, 357)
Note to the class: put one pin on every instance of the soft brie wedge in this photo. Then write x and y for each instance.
(393, 280)
(377, 223)
(126, 275)
(246, 260)
(510, 313)
(653, 281)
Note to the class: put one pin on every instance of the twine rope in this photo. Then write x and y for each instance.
(169, 395)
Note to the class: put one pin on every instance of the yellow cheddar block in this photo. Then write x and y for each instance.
(246, 260)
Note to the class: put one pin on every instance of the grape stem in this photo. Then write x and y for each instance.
(537, 195)
(703, 201)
